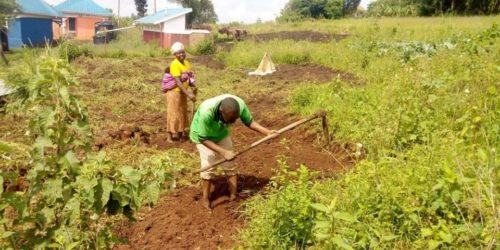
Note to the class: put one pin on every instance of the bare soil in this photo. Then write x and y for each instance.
(207, 61)
(311, 73)
(180, 222)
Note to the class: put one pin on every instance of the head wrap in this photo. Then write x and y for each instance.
(176, 47)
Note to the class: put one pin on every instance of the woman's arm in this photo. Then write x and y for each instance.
(184, 90)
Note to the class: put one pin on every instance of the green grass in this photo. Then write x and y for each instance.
(419, 28)
(427, 115)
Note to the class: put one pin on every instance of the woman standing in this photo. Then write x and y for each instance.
(177, 111)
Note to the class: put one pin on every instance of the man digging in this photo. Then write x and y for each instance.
(210, 132)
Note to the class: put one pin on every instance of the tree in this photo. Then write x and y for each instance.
(330, 9)
(393, 8)
(141, 6)
(7, 7)
(203, 11)
(351, 6)
(432, 7)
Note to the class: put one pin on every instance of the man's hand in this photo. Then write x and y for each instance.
(229, 155)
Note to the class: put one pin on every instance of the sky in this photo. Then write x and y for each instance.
(246, 11)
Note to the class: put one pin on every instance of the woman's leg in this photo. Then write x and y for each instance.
(169, 137)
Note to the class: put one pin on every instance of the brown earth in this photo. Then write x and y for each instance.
(180, 222)
(207, 61)
(311, 73)
(298, 36)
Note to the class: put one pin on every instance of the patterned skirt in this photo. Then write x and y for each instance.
(177, 112)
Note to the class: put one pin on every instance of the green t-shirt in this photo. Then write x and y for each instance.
(207, 124)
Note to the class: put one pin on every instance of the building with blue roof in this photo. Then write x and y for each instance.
(32, 25)
(169, 26)
(80, 18)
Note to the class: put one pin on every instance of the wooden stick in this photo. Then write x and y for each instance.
(326, 133)
(267, 138)
(192, 110)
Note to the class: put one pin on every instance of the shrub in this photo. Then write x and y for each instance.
(70, 189)
(205, 47)
(71, 51)
(282, 219)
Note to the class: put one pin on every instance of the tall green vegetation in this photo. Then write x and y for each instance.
(203, 11)
(7, 7)
(432, 7)
(428, 117)
(296, 10)
(69, 192)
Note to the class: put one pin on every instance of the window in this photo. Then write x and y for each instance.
(72, 24)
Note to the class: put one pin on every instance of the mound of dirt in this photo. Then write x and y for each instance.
(312, 73)
(125, 132)
(298, 36)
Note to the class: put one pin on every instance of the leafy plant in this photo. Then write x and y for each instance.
(283, 218)
(71, 51)
(205, 47)
(70, 189)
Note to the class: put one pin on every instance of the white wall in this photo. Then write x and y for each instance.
(176, 25)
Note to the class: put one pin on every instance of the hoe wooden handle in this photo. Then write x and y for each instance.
(320, 114)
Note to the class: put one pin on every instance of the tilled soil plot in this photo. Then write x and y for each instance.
(180, 222)
(298, 36)
(207, 61)
(312, 73)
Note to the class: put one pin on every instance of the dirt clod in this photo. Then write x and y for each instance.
(124, 132)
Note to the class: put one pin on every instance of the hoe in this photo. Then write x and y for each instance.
(321, 114)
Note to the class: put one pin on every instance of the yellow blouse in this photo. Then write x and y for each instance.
(176, 69)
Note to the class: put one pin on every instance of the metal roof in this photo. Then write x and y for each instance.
(163, 16)
(36, 7)
(88, 7)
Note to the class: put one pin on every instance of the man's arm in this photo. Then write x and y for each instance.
(228, 154)
(259, 128)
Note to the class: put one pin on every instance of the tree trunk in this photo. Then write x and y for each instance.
(4, 59)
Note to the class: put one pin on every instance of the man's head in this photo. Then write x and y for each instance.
(230, 110)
